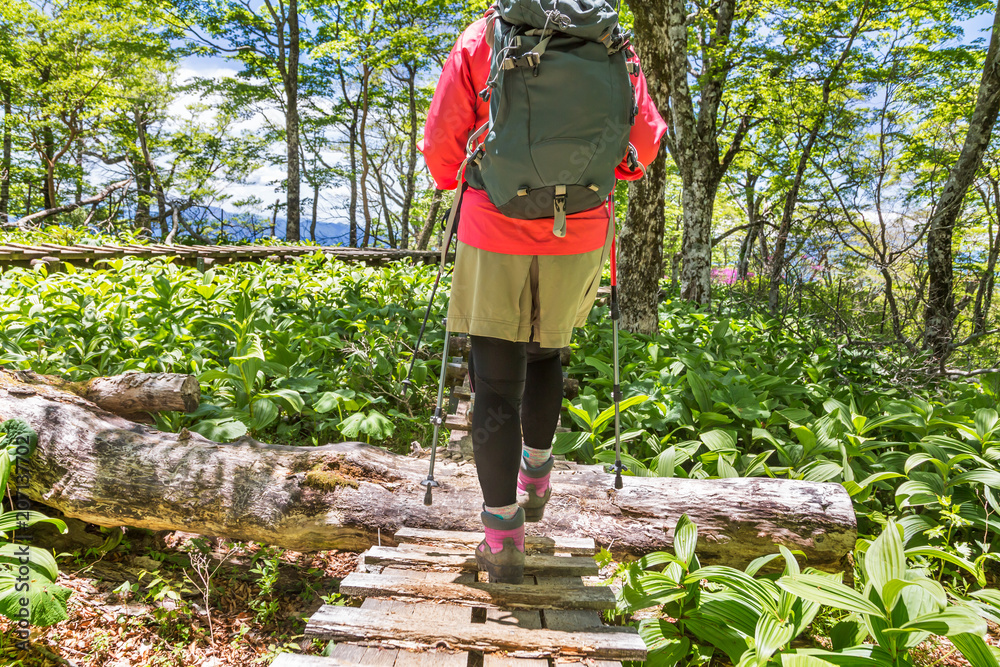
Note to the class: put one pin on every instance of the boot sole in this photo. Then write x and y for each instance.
(534, 514)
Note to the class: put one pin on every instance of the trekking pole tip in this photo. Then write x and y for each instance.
(427, 496)
(618, 480)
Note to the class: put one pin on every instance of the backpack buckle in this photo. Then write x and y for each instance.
(559, 204)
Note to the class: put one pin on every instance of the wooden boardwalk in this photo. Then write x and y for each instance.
(425, 604)
(17, 254)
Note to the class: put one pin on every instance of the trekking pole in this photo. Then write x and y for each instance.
(616, 393)
(437, 419)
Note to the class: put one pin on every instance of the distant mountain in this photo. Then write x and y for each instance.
(327, 233)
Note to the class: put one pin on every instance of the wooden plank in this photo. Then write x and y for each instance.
(351, 624)
(587, 662)
(575, 546)
(521, 618)
(432, 659)
(351, 659)
(543, 564)
(419, 611)
(497, 660)
(462, 587)
(352, 653)
(571, 620)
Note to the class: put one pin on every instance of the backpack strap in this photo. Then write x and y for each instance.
(449, 228)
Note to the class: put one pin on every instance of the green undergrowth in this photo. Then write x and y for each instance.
(316, 350)
(298, 353)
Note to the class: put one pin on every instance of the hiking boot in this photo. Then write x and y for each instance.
(533, 488)
(501, 553)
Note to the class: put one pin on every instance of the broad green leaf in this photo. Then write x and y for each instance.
(46, 599)
(685, 539)
(566, 442)
(934, 552)
(771, 634)
(609, 413)
(975, 649)
(794, 660)
(700, 389)
(828, 592)
(719, 440)
(951, 621)
(885, 560)
(220, 430)
(35, 557)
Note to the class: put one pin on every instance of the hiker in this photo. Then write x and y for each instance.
(526, 276)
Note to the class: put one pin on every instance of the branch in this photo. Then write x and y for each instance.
(966, 374)
(96, 199)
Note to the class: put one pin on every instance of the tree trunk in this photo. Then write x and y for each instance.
(48, 164)
(98, 467)
(362, 131)
(661, 37)
(640, 250)
(984, 294)
(315, 209)
(5, 168)
(291, 81)
(698, 200)
(409, 184)
(432, 215)
(939, 313)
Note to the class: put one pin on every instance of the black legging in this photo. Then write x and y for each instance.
(519, 389)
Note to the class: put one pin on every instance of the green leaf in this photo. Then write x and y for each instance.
(828, 592)
(46, 600)
(220, 430)
(719, 440)
(885, 560)
(975, 649)
(951, 621)
(934, 552)
(609, 413)
(794, 660)
(35, 557)
(685, 540)
(567, 442)
(771, 634)
(700, 389)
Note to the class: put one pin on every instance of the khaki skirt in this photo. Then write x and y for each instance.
(524, 298)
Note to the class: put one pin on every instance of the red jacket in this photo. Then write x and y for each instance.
(457, 111)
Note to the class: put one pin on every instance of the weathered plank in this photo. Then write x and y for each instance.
(525, 596)
(571, 620)
(521, 618)
(403, 658)
(365, 655)
(496, 660)
(575, 546)
(392, 629)
(544, 564)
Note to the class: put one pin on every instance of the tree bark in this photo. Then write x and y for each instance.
(432, 215)
(661, 37)
(98, 467)
(939, 314)
(640, 250)
(409, 183)
(5, 168)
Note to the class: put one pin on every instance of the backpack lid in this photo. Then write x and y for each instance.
(595, 20)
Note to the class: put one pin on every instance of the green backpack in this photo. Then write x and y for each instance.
(561, 108)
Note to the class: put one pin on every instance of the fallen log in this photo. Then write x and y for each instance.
(98, 467)
(129, 394)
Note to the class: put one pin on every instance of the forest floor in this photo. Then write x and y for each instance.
(136, 606)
